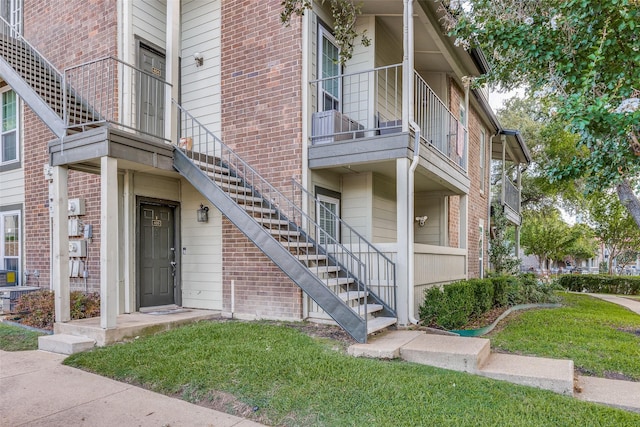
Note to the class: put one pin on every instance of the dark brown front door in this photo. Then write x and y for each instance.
(157, 255)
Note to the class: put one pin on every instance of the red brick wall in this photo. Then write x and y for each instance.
(261, 121)
(477, 200)
(66, 33)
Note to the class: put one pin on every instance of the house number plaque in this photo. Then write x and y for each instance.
(156, 223)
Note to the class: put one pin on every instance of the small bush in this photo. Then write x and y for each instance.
(499, 290)
(458, 303)
(600, 283)
(36, 309)
(483, 296)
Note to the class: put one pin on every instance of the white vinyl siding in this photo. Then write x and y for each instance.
(200, 88)
(202, 256)
(12, 186)
(433, 207)
(150, 21)
(384, 210)
(357, 203)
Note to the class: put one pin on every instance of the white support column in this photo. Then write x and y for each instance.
(172, 71)
(463, 239)
(402, 218)
(60, 245)
(129, 212)
(108, 242)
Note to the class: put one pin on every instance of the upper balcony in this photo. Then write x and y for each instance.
(509, 149)
(365, 126)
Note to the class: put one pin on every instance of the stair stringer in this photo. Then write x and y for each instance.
(347, 318)
(32, 98)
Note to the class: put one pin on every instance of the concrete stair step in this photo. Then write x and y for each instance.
(549, 374)
(352, 295)
(311, 257)
(380, 323)
(448, 352)
(65, 344)
(324, 269)
(367, 309)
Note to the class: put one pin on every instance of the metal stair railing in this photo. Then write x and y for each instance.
(381, 270)
(291, 225)
(16, 45)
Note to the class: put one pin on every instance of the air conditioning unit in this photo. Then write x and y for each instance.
(331, 125)
(8, 278)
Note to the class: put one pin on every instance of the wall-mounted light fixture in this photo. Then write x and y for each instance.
(203, 213)
(421, 220)
(199, 59)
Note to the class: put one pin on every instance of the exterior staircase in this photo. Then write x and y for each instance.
(360, 300)
(40, 85)
(358, 295)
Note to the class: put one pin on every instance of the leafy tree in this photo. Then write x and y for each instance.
(546, 235)
(584, 245)
(613, 225)
(582, 59)
(345, 14)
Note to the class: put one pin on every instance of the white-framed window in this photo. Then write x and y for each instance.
(327, 214)
(483, 160)
(10, 237)
(9, 141)
(329, 89)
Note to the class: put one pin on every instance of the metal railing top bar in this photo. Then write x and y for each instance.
(126, 64)
(355, 73)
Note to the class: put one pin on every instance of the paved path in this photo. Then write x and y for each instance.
(631, 304)
(36, 390)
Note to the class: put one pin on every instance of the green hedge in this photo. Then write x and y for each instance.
(455, 304)
(600, 283)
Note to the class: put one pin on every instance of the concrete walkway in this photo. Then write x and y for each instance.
(36, 390)
(631, 304)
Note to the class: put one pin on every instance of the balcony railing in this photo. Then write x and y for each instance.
(118, 94)
(438, 126)
(369, 103)
(511, 195)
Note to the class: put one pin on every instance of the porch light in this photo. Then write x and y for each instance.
(203, 213)
(199, 59)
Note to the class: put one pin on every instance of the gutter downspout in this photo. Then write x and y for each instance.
(408, 118)
(410, 240)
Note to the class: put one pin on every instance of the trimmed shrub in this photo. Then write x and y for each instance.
(500, 290)
(600, 283)
(458, 303)
(483, 296)
(36, 309)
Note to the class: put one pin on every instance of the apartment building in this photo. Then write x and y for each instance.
(201, 154)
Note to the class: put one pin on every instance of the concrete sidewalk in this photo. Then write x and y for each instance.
(37, 390)
(631, 304)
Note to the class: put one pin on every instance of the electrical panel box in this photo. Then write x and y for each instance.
(77, 248)
(76, 207)
(76, 228)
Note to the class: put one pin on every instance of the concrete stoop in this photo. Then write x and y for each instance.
(65, 344)
(549, 374)
(472, 355)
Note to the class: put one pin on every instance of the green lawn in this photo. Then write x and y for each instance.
(15, 338)
(600, 337)
(287, 378)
